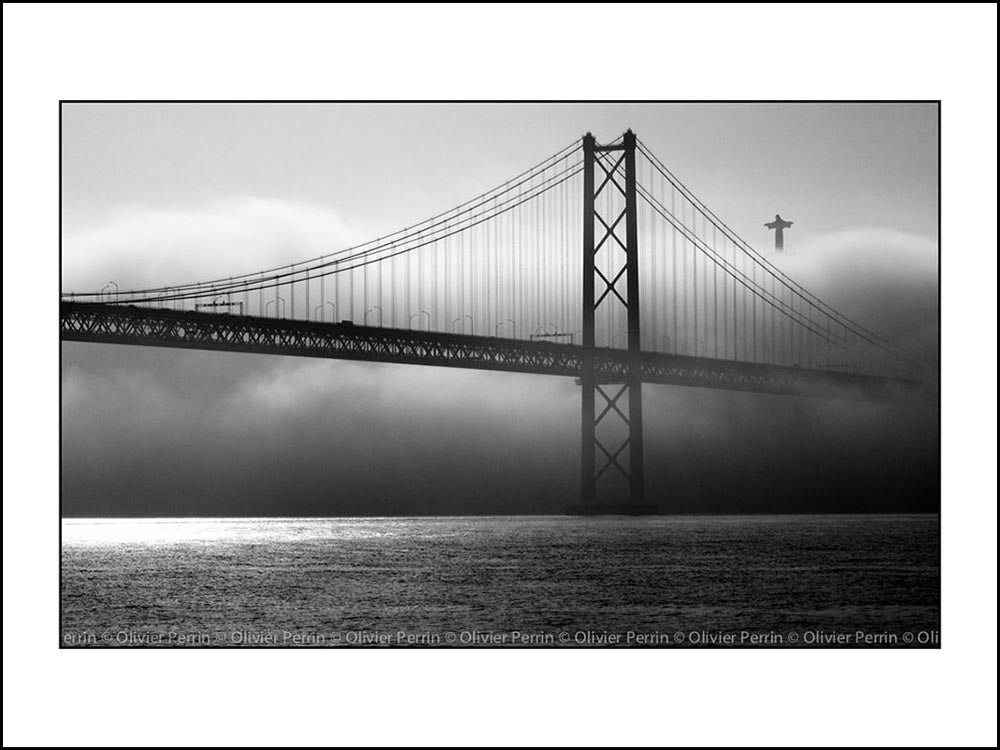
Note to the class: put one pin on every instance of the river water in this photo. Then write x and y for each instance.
(528, 581)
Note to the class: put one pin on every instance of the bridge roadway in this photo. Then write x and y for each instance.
(144, 326)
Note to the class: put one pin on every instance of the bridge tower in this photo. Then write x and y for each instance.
(614, 168)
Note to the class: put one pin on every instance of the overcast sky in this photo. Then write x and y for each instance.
(163, 193)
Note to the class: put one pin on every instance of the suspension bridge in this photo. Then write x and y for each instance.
(597, 263)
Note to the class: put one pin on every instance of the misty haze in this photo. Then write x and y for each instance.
(660, 369)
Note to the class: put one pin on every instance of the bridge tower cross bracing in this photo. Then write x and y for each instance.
(616, 165)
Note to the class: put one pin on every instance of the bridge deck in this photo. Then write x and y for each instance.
(141, 326)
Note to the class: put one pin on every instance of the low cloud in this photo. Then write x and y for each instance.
(161, 432)
(143, 247)
(883, 279)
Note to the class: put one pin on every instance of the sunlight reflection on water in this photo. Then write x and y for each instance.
(498, 574)
(165, 531)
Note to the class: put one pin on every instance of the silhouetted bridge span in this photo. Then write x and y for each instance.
(114, 324)
(597, 263)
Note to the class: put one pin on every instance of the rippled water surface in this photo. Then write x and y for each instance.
(491, 581)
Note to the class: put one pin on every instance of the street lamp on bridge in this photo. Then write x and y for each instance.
(373, 309)
(279, 309)
(110, 283)
(501, 324)
(322, 309)
(419, 315)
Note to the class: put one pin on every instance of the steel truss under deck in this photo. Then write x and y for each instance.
(142, 326)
